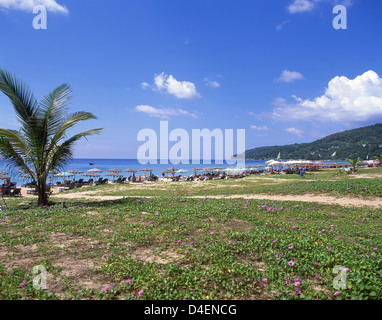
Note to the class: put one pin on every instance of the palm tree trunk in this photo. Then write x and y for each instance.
(41, 190)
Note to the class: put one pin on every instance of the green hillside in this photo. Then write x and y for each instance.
(347, 144)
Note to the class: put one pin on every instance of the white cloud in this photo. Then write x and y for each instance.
(344, 100)
(299, 6)
(163, 113)
(179, 89)
(145, 85)
(281, 25)
(290, 76)
(27, 5)
(294, 131)
(259, 128)
(211, 83)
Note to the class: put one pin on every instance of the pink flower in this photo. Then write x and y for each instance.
(106, 288)
(336, 293)
(127, 281)
(186, 251)
(141, 292)
(264, 280)
(290, 248)
(23, 284)
(274, 241)
(192, 242)
(297, 284)
(315, 263)
(291, 263)
(375, 249)
(212, 233)
(228, 211)
(330, 249)
(264, 236)
(179, 241)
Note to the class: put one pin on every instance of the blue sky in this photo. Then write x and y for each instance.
(276, 68)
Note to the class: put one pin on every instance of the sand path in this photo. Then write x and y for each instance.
(344, 201)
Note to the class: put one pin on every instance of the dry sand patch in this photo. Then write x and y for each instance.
(149, 254)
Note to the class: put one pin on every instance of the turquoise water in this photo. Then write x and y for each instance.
(122, 164)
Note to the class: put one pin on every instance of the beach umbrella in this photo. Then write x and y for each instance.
(166, 171)
(75, 171)
(93, 175)
(173, 169)
(114, 170)
(196, 168)
(63, 174)
(114, 175)
(95, 170)
(131, 170)
(182, 171)
(146, 169)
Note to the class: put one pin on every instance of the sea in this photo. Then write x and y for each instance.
(122, 164)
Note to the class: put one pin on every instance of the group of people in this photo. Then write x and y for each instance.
(5, 186)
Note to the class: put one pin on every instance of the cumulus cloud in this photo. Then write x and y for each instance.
(163, 113)
(28, 5)
(294, 131)
(290, 76)
(344, 100)
(168, 84)
(259, 128)
(299, 6)
(211, 83)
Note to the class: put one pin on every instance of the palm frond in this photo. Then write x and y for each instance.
(71, 121)
(19, 94)
(63, 153)
(11, 158)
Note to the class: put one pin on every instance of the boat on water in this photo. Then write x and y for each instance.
(91, 163)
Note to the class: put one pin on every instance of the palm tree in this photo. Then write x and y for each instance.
(354, 163)
(41, 143)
